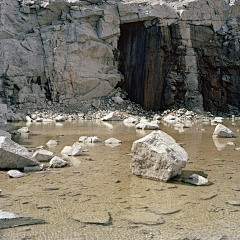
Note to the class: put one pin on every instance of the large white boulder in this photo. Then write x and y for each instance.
(14, 156)
(158, 156)
(222, 132)
(112, 116)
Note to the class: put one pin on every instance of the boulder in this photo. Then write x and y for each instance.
(14, 156)
(66, 150)
(5, 134)
(112, 116)
(93, 139)
(9, 220)
(157, 156)
(57, 162)
(43, 155)
(222, 132)
(147, 125)
(34, 168)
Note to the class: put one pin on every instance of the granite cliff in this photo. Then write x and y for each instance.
(164, 54)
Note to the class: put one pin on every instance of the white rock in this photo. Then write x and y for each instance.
(82, 138)
(57, 162)
(130, 120)
(117, 100)
(16, 174)
(14, 156)
(66, 150)
(222, 132)
(60, 118)
(43, 155)
(93, 139)
(28, 119)
(52, 143)
(5, 134)
(112, 141)
(75, 150)
(147, 125)
(196, 179)
(158, 156)
(23, 130)
(112, 116)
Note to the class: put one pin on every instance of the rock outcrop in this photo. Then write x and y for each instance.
(165, 54)
(157, 156)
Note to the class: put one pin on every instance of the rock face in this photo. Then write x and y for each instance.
(158, 156)
(165, 54)
(14, 156)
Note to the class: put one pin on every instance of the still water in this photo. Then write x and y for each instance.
(101, 180)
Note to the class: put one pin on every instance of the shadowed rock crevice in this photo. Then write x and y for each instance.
(152, 63)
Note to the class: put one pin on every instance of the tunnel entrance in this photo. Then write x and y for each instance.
(148, 59)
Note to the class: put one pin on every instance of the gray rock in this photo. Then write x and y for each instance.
(222, 132)
(43, 155)
(234, 203)
(10, 220)
(5, 134)
(157, 156)
(57, 162)
(97, 217)
(147, 125)
(16, 174)
(34, 168)
(14, 156)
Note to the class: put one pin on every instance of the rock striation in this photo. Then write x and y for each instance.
(165, 54)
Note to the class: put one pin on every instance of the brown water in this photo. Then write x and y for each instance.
(188, 210)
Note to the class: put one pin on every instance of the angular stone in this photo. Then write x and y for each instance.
(196, 179)
(14, 156)
(52, 143)
(112, 116)
(98, 217)
(223, 132)
(75, 150)
(43, 155)
(9, 220)
(157, 156)
(66, 150)
(57, 162)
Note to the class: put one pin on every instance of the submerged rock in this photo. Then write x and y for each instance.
(223, 132)
(112, 116)
(9, 220)
(158, 156)
(112, 141)
(98, 217)
(23, 130)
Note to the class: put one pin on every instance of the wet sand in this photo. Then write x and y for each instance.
(101, 180)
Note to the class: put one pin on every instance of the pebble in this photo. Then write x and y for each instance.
(51, 188)
(234, 203)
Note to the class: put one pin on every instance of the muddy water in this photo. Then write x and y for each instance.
(186, 211)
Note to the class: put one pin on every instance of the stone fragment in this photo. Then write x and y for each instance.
(43, 155)
(112, 116)
(147, 125)
(112, 141)
(66, 150)
(57, 162)
(236, 188)
(222, 132)
(34, 168)
(14, 156)
(97, 217)
(9, 220)
(16, 174)
(196, 179)
(93, 139)
(234, 203)
(52, 188)
(157, 156)
(143, 217)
